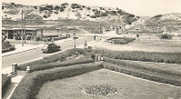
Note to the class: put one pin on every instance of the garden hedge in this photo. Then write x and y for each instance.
(81, 60)
(6, 81)
(153, 67)
(30, 85)
(120, 40)
(142, 56)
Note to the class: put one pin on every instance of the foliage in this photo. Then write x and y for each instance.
(74, 6)
(6, 46)
(166, 36)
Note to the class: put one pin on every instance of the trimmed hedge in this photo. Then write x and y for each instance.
(142, 71)
(6, 81)
(30, 85)
(37, 67)
(142, 56)
(120, 40)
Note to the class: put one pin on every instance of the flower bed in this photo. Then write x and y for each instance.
(100, 90)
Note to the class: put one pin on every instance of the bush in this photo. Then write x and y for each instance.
(6, 81)
(81, 60)
(166, 36)
(6, 46)
(74, 6)
(30, 85)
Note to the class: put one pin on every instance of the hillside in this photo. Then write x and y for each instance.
(158, 23)
(13, 11)
(58, 14)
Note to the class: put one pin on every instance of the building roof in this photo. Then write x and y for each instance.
(10, 28)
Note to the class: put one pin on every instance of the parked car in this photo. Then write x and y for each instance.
(50, 48)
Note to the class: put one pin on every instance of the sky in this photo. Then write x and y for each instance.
(137, 7)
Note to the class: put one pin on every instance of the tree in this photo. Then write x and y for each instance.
(35, 7)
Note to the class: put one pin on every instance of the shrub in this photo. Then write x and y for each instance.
(7, 46)
(74, 6)
(38, 67)
(6, 81)
(166, 36)
(30, 85)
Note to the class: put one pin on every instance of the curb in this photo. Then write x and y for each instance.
(20, 51)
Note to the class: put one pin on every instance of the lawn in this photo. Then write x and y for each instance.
(143, 45)
(126, 87)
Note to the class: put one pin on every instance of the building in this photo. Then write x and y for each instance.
(25, 33)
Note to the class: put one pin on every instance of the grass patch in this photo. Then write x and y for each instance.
(143, 71)
(105, 84)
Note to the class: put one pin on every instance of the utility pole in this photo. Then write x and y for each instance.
(22, 26)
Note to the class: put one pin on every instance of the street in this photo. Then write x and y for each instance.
(22, 57)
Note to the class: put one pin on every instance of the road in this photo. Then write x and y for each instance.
(22, 57)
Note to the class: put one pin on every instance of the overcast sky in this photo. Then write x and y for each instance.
(138, 7)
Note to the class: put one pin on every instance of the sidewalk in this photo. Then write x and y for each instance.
(20, 48)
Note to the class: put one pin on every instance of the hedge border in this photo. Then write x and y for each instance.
(6, 81)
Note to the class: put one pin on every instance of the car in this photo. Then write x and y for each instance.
(50, 48)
